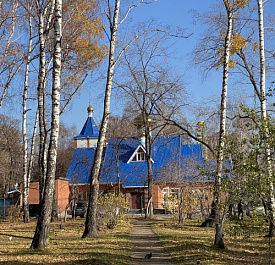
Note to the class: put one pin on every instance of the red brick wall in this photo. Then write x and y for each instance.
(61, 189)
(34, 193)
(157, 197)
(62, 193)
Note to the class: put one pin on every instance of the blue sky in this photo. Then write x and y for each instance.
(177, 13)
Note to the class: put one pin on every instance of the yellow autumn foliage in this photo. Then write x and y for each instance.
(83, 32)
(255, 46)
(238, 42)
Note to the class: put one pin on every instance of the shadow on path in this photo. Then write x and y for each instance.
(145, 241)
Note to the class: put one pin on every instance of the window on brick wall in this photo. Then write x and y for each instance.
(174, 192)
(165, 193)
(83, 196)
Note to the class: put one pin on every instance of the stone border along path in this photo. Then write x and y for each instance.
(145, 241)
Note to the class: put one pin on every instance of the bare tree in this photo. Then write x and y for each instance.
(11, 58)
(10, 153)
(150, 88)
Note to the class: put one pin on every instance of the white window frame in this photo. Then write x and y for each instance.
(139, 155)
(165, 191)
(175, 191)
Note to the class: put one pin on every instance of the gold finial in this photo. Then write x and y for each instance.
(138, 121)
(90, 108)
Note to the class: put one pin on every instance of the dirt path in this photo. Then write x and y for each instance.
(145, 241)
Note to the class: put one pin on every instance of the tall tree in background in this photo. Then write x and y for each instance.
(26, 176)
(217, 185)
(82, 54)
(10, 154)
(271, 200)
(45, 12)
(112, 14)
(213, 52)
(232, 7)
(90, 224)
(150, 87)
(41, 236)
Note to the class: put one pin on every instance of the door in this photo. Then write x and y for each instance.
(136, 200)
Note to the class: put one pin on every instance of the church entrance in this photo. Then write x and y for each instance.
(136, 200)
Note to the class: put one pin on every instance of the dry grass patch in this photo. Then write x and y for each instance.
(65, 245)
(189, 242)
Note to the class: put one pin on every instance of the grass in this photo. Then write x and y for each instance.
(186, 242)
(65, 245)
(189, 242)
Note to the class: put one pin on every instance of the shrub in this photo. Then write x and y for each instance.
(246, 227)
(15, 213)
(111, 210)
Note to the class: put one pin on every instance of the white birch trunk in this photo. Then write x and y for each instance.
(26, 180)
(40, 239)
(11, 75)
(90, 224)
(43, 29)
(41, 107)
(264, 116)
(32, 146)
(220, 154)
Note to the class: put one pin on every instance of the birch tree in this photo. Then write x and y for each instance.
(26, 178)
(10, 58)
(41, 236)
(217, 184)
(214, 53)
(271, 200)
(44, 10)
(90, 224)
(112, 14)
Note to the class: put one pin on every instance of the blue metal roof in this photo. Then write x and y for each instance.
(81, 165)
(168, 155)
(89, 129)
(166, 150)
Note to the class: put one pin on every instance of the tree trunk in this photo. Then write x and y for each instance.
(219, 236)
(54, 215)
(181, 206)
(148, 147)
(150, 207)
(90, 224)
(26, 179)
(220, 156)
(41, 236)
(264, 116)
(41, 107)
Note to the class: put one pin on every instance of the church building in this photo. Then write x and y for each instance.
(176, 166)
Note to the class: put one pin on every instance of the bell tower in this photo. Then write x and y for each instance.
(89, 134)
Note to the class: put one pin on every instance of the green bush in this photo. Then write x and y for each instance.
(246, 227)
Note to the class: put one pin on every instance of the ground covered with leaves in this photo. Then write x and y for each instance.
(65, 245)
(189, 242)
